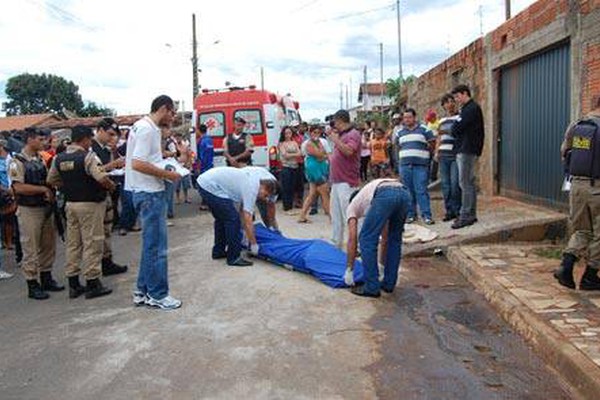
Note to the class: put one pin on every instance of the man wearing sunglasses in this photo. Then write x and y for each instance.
(231, 195)
(107, 130)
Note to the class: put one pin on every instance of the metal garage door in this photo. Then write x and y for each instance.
(534, 113)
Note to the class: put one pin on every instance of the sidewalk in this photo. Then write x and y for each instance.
(562, 325)
(500, 219)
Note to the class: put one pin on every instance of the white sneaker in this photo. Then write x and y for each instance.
(168, 303)
(5, 275)
(139, 298)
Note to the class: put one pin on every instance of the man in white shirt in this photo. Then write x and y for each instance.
(384, 203)
(231, 195)
(144, 178)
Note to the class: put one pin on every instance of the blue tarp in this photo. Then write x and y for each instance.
(313, 256)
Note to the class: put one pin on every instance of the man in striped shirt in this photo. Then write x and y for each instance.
(446, 156)
(415, 144)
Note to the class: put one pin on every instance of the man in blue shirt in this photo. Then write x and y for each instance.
(205, 149)
(415, 143)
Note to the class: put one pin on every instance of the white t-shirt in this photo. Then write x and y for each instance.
(238, 185)
(144, 144)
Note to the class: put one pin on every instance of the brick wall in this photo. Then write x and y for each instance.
(590, 75)
(526, 33)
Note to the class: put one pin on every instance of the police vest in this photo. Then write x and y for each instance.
(103, 153)
(238, 146)
(585, 149)
(78, 185)
(35, 174)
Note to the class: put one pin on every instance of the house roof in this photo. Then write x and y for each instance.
(371, 89)
(20, 122)
(90, 121)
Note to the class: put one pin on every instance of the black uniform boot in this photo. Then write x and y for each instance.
(590, 280)
(35, 291)
(75, 288)
(564, 274)
(110, 268)
(96, 289)
(49, 284)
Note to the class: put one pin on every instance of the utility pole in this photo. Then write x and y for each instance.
(481, 19)
(365, 95)
(341, 95)
(351, 92)
(507, 2)
(399, 41)
(195, 87)
(381, 74)
(262, 78)
(347, 107)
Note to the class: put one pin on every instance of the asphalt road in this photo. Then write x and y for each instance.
(263, 333)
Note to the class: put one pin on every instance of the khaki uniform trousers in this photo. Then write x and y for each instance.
(85, 238)
(584, 210)
(108, 221)
(38, 240)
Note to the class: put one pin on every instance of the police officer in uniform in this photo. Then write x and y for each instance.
(35, 215)
(238, 147)
(581, 150)
(106, 131)
(82, 179)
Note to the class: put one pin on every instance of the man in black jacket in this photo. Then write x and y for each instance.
(468, 131)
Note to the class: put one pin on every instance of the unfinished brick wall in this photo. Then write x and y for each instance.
(590, 76)
(466, 66)
(581, 19)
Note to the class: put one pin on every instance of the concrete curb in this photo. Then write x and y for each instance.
(550, 228)
(572, 365)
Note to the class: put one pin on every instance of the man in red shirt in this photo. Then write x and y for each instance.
(344, 170)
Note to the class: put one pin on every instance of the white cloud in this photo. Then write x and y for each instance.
(116, 51)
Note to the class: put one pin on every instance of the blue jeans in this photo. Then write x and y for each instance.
(389, 205)
(227, 226)
(153, 273)
(169, 197)
(466, 178)
(416, 179)
(450, 187)
(128, 214)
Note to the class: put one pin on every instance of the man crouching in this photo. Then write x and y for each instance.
(384, 204)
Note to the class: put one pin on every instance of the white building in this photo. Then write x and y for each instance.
(373, 97)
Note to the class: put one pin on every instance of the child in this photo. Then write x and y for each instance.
(380, 162)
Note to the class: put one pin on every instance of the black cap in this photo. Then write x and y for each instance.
(80, 132)
(240, 120)
(342, 115)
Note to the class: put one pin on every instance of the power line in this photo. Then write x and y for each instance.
(357, 14)
(305, 5)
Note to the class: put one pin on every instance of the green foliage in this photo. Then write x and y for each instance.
(394, 87)
(37, 94)
(92, 109)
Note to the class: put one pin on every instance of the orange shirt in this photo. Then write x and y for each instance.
(379, 151)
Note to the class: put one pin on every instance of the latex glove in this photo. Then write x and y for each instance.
(254, 249)
(349, 277)
(245, 242)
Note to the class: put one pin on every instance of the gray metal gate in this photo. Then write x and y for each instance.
(534, 113)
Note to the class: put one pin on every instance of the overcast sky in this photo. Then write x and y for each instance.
(123, 53)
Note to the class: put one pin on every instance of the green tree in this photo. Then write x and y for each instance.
(92, 109)
(394, 87)
(36, 94)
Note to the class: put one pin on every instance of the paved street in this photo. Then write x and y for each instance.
(264, 332)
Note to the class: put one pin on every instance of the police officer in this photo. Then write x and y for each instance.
(106, 131)
(581, 150)
(35, 199)
(84, 183)
(238, 147)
